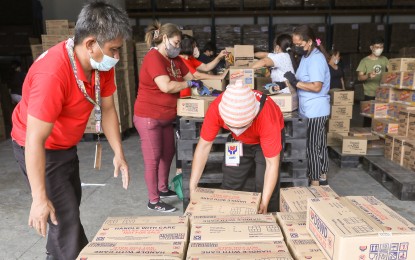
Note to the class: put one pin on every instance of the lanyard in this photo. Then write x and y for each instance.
(81, 86)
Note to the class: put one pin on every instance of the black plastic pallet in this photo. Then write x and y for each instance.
(295, 149)
(295, 126)
(186, 148)
(398, 180)
(347, 160)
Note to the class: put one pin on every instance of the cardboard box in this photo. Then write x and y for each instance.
(399, 80)
(338, 126)
(360, 131)
(401, 64)
(57, 27)
(244, 74)
(294, 199)
(259, 218)
(254, 256)
(236, 232)
(399, 149)
(356, 145)
(403, 119)
(218, 84)
(385, 94)
(286, 102)
(198, 208)
(384, 126)
(227, 196)
(405, 96)
(195, 106)
(396, 107)
(411, 124)
(334, 140)
(139, 250)
(243, 55)
(143, 233)
(236, 248)
(339, 97)
(389, 142)
(374, 109)
(359, 228)
(341, 112)
(298, 240)
(112, 222)
(409, 149)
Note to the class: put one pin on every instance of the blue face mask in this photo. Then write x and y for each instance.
(106, 64)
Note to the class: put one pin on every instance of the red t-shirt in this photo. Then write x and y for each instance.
(51, 94)
(191, 64)
(265, 129)
(151, 101)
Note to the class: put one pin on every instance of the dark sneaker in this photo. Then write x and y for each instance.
(167, 194)
(323, 179)
(161, 207)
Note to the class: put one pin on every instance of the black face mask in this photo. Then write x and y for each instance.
(300, 50)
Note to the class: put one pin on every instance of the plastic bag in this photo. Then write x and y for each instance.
(177, 182)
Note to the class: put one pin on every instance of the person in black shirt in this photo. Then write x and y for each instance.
(336, 72)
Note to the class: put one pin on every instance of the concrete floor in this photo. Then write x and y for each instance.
(18, 241)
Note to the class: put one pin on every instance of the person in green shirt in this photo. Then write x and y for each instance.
(370, 71)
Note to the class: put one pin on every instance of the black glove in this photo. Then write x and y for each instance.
(195, 83)
(291, 78)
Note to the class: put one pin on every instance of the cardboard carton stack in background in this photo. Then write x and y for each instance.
(340, 116)
(151, 237)
(202, 34)
(397, 88)
(56, 31)
(227, 35)
(256, 35)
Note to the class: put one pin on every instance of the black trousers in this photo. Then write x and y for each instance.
(63, 187)
(253, 159)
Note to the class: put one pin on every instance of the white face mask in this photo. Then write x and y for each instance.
(196, 52)
(106, 64)
(377, 52)
(336, 61)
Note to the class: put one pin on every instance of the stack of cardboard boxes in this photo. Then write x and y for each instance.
(397, 91)
(139, 238)
(340, 115)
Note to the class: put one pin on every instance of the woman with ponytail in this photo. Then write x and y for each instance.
(312, 81)
(280, 61)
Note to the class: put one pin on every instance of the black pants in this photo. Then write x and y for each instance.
(317, 154)
(63, 188)
(367, 121)
(235, 177)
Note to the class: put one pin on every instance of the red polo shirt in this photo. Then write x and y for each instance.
(264, 130)
(191, 64)
(51, 94)
(151, 101)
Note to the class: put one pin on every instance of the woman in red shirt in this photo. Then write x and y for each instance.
(162, 76)
(199, 70)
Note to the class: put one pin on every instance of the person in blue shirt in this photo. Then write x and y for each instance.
(312, 81)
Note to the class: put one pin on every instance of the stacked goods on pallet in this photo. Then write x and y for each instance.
(14, 39)
(236, 237)
(202, 34)
(56, 31)
(316, 3)
(256, 3)
(131, 5)
(284, 28)
(345, 37)
(227, 35)
(169, 4)
(294, 199)
(408, 3)
(299, 241)
(37, 50)
(2, 125)
(360, 3)
(152, 237)
(139, 32)
(256, 35)
(359, 227)
(210, 202)
(227, 4)
(367, 31)
(141, 50)
(341, 102)
(288, 3)
(402, 35)
(196, 4)
(125, 77)
(407, 52)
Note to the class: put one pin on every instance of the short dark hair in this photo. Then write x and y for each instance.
(377, 40)
(209, 47)
(187, 45)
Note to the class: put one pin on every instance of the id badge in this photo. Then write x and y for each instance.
(98, 156)
(232, 153)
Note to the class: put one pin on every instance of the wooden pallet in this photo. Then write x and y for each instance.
(347, 160)
(398, 180)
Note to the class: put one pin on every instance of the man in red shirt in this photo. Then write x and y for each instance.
(256, 122)
(61, 88)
